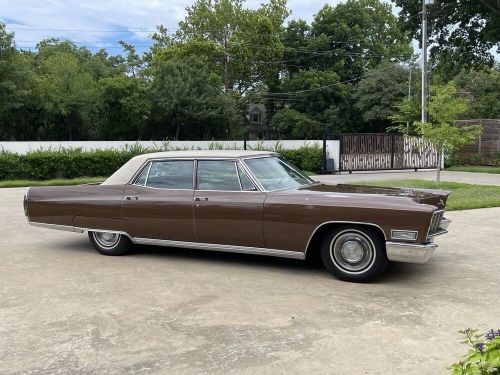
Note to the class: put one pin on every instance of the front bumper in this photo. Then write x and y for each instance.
(416, 252)
(410, 252)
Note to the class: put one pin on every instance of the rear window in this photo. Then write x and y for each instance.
(172, 174)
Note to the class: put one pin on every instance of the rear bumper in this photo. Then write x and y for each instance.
(410, 252)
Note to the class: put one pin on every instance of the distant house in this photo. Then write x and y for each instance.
(257, 125)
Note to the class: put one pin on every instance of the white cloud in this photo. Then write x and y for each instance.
(90, 18)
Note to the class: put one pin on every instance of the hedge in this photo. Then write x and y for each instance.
(74, 163)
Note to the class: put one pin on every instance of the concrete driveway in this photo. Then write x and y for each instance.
(64, 309)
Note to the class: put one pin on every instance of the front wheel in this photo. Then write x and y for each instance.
(108, 243)
(354, 254)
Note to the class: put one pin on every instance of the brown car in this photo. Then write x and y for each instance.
(247, 202)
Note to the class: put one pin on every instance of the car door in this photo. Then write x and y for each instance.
(227, 206)
(158, 204)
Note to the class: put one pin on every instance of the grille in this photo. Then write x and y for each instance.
(437, 216)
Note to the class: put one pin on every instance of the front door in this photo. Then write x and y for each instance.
(227, 206)
(159, 203)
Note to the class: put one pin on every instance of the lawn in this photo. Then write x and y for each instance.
(463, 196)
(474, 168)
(55, 182)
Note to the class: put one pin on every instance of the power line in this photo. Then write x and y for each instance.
(293, 93)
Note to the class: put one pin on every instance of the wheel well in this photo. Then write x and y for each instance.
(313, 248)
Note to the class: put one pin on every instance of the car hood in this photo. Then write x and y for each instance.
(423, 196)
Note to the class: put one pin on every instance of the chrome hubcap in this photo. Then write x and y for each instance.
(352, 251)
(106, 239)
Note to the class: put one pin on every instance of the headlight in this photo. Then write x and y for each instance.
(404, 235)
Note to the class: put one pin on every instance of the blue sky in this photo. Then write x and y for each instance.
(101, 24)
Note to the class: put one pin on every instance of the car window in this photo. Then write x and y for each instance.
(141, 180)
(217, 175)
(246, 183)
(174, 174)
(274, 173)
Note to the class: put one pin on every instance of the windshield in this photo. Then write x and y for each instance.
(274, 173)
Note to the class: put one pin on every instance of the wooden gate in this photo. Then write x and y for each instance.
(381, 151)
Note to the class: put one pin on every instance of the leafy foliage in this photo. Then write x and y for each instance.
(76, 163)
(445, 107)
(483, 356)
(378, 93)
(465, 32)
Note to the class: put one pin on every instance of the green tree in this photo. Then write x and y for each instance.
(322, 97)
(295, 124)
(483, 89)
(186, 93)
(69, 93)
(464, 32)
(356, 36)
(380, 91)
(247, 40)
(445, 107)
(123, 108)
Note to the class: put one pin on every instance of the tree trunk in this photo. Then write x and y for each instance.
(438, 176)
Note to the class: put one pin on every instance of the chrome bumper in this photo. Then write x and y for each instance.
(409, 252)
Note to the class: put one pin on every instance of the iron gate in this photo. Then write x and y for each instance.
(382, 151)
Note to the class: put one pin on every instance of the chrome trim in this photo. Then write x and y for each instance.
(66, 228)
(434, 223)
(183, 244)
(439, 232)
(220, 247)
(250, 175)
(409, 252)
(26, 203)
(394, 234)
(83, 230)
(147, 174)
(341, 222)
(239, 168)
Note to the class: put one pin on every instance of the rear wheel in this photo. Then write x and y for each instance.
(354, 254)
(108, 243)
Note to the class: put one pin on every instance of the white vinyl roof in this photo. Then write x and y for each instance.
(127, 171)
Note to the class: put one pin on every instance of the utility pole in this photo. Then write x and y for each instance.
(424, 58)
(226, 63)
(409, 90)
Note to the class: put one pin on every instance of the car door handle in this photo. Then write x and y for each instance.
(132, 198)
(197, 199)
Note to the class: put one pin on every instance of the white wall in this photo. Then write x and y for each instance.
(332, 146)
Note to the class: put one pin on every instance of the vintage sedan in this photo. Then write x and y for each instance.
(246, 202)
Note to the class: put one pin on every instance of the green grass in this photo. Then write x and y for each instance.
(463, 196)
(474, 168)
(55, 182)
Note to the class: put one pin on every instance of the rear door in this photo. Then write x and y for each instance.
(159, 203)
(227, 206)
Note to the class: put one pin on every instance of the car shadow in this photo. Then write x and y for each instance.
(394, 273)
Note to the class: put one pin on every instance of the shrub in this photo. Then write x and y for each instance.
(74, 163)
(483, 356)
(452, 159)
(307, 158)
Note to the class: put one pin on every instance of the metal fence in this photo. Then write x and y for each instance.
(382, 151)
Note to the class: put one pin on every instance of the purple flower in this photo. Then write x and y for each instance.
(490, 335)
(480, 346)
